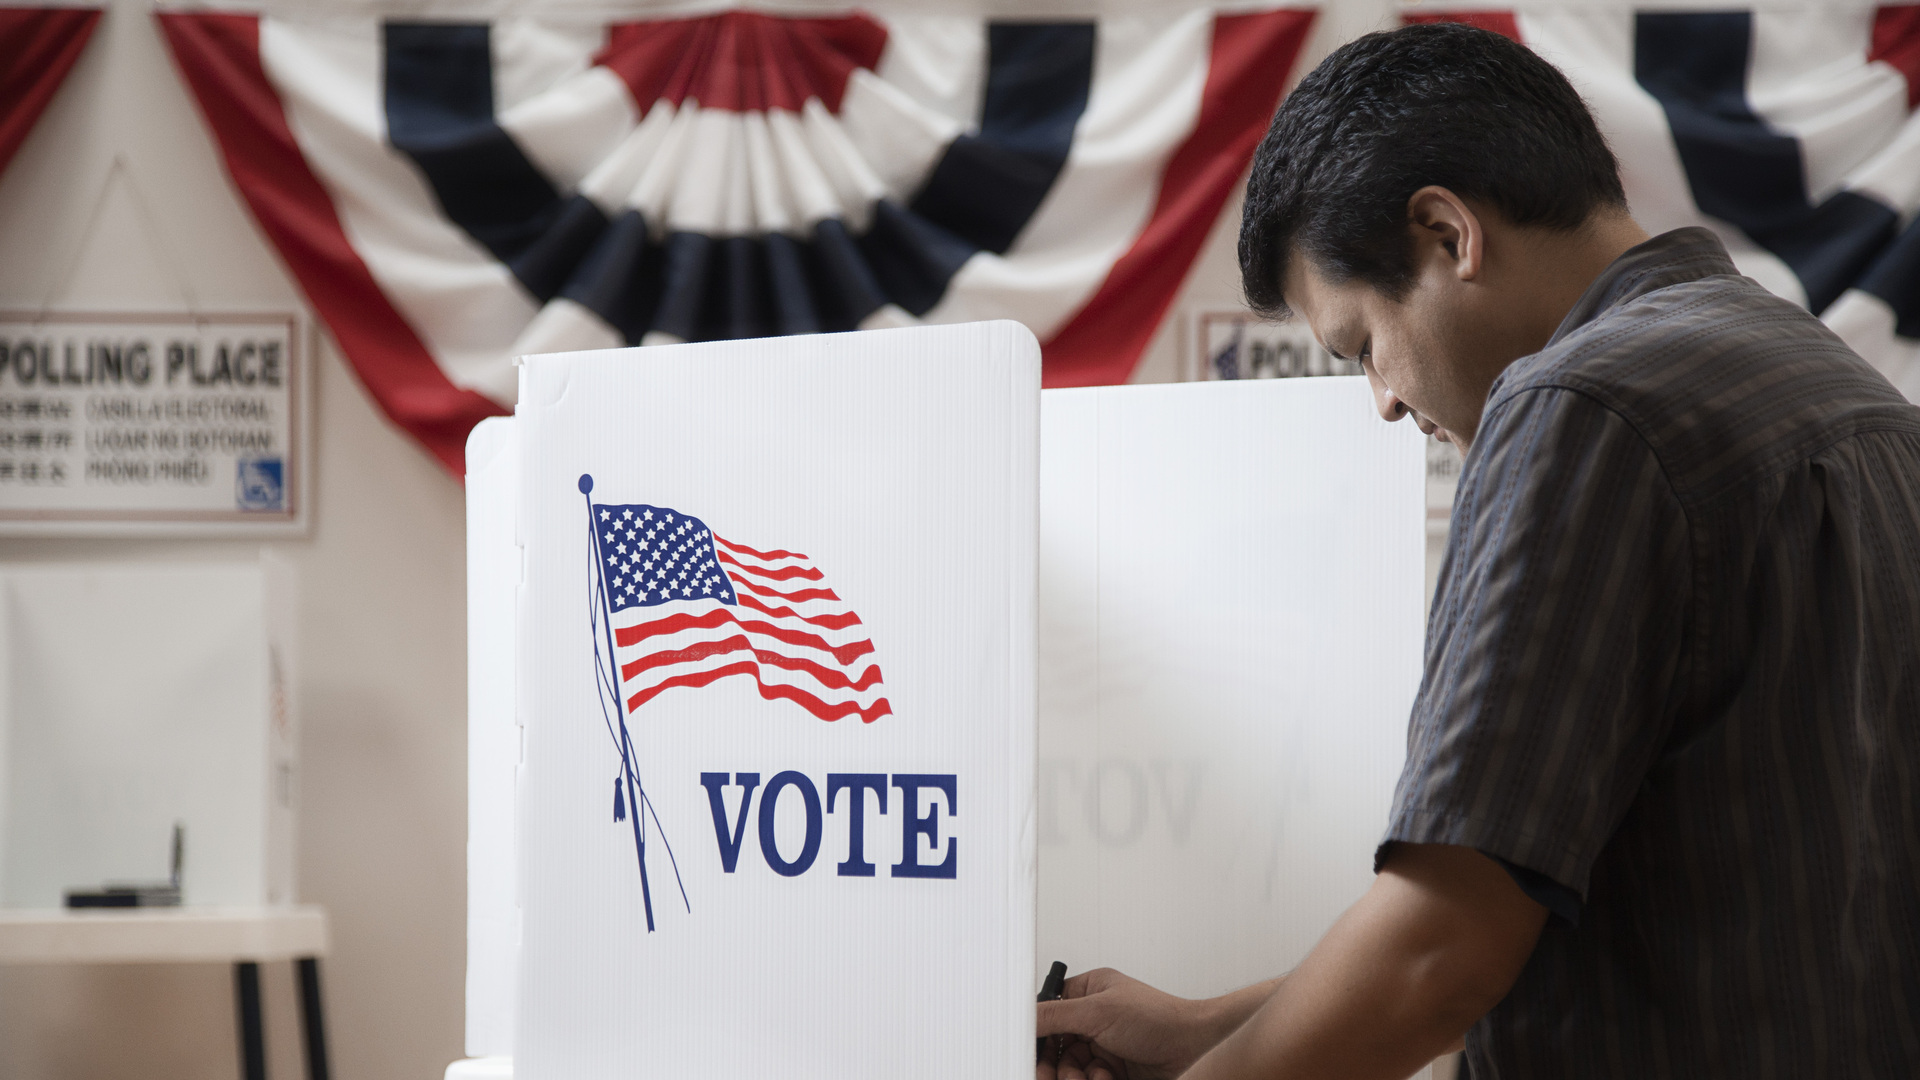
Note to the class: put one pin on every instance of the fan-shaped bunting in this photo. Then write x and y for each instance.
(453, 195)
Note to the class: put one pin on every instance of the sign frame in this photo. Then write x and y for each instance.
(1291, 351)
(141, 523)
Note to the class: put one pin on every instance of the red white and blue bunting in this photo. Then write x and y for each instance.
(38, 46)
(453, 195)
(1789, 129)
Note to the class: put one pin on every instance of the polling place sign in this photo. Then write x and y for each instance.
(774, 642)
(173, 424)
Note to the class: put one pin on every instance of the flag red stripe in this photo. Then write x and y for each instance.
(674, 624)
(781, 574)
(801, 596)
(831, 622)
(745, 550)
(770, 692)
(821, 709)
(831, 678)
(701, 651)
(219, 54)
(825, 676)
(696, 678)
(1251, 57)
(38, 46)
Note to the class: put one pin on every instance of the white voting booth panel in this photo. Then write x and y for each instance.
(771, 657)
(1230, 619)
(493, 738)
(136, 696)
(1231, 599)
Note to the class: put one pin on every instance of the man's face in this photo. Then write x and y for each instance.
(1425, 355)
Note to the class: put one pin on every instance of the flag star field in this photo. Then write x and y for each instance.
(655, 555)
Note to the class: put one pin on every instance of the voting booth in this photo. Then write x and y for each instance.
(770, 636)
(842, 882)
(137, 698)
(1230, 633)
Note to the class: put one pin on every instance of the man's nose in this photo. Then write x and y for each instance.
(1391, 407)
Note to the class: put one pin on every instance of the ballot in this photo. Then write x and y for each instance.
(766, 612)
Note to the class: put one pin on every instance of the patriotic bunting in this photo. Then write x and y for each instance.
(38, 46)
(453, 195)
(1788, 129)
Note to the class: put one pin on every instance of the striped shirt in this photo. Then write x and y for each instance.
(1673, 674)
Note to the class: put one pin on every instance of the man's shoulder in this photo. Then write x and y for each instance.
(1724, 381)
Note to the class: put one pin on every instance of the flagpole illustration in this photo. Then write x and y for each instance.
(636, 798)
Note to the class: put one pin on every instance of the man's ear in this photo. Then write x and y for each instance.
(1446, 231)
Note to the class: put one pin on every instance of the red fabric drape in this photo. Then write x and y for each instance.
(219, 54)
(38, 46)
(1500, 22)
(1252, 56)
(1896, 40)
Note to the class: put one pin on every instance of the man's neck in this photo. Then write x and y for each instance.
(1545, 273)
(1565, 265)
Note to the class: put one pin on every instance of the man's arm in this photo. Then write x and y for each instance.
(1436, 942)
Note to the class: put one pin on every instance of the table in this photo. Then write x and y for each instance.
(244, 937)
(486, 1068)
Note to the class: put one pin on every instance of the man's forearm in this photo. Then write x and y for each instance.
(1392, 986)
(1344, 1013)
(1221, 1016)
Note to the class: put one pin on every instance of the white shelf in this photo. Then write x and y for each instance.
(162, 935)
(487, 1068)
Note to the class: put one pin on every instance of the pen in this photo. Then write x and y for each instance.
(1050, 988)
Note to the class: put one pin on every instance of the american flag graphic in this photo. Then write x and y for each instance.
(689, 608)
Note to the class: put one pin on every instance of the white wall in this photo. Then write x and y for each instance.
(382, 620)
(382, 695)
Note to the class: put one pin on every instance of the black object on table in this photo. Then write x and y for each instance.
(143, 895)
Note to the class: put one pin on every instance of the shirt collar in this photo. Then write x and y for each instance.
(1671, 258)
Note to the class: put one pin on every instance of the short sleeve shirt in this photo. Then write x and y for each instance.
(1673, 668)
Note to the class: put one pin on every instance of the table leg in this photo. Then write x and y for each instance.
(253, 1038)
(313, 1018)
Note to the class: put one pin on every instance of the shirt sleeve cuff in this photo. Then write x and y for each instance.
(1520, 856)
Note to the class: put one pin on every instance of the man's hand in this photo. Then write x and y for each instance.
(1110, 1027)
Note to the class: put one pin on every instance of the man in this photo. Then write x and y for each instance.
(1660, 815)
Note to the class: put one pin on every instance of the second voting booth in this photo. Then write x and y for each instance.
(825, 689)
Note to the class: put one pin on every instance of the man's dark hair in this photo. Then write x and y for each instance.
(1390, 113)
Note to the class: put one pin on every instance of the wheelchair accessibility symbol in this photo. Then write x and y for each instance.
(260, 484)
